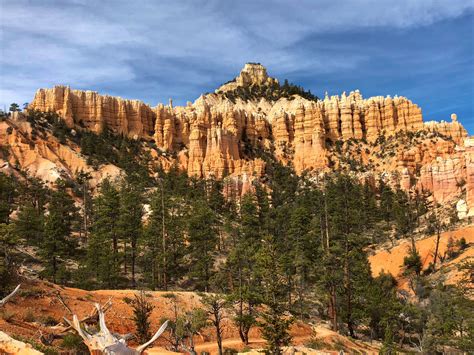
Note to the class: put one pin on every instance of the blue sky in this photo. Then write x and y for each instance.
(154, 50)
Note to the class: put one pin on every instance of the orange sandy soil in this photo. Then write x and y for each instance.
(39, 298)
(391, 260)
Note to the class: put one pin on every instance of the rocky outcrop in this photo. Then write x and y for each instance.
(46, 159)
(219, 137)
(453, 129)
(96, 112)
(469, 180)
(8, 345)
(251, 74)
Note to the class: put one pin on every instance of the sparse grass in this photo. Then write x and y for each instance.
(7, 316)
(317, 344)
(48, 321)
(29, 316)
(127, 300)
(74, 342)
(31, 293)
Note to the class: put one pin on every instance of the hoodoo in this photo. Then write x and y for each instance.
(222, 134)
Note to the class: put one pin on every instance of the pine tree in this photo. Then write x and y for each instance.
(130, 224)
(275, 323)
(142, 309)
(83, 179)
(435, 225)
(215, 306)
(299, 258)
(164, 262)
(57, 245)
(29, 224)
(202, 242)
(103, 248)
(346, 267)
(404, 214)
(245, 290)
(8, 240)
(386, 201)
(8, 192)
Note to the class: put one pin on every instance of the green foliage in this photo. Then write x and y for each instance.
(412, 262)
(74, 342)
(202, 240)
(294, 248)
(215, 305)
(8, 191)
(271, 92)
(14, 107)
(142, 309)
(274, 323)
(7, 272)
(103, 248)
(57, 243)
(130, 223)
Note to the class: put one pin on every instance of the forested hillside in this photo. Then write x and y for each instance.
(295, 248)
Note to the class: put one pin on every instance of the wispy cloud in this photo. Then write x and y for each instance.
(153, 50)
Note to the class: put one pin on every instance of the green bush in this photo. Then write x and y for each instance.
(74, 342)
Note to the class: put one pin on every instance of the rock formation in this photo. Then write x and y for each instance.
(95, 112)
(251, 74)
(216, 136)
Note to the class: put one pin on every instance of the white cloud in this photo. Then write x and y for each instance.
(89, 42)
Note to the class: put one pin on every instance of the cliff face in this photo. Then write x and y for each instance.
(216, 136)
(94, 112)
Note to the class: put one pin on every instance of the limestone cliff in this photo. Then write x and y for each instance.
(218, 136)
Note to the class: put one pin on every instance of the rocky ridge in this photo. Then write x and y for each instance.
(215, 136)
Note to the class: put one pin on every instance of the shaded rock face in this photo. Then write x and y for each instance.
(217, 137)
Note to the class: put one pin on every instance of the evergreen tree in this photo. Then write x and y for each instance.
(435, 225)
(83, 179)
(164, 262)
(142, 309)
(29, 224)
(386, 201)
(8, 240)
(245, 289)
(345, 226)
(57, 244)
(202, 242)
(130, 225)
(103, 246)
(405, 214)
(215, 306)
(275, 323)
(7, 197)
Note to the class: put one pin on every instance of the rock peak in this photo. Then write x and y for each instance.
(251, 74)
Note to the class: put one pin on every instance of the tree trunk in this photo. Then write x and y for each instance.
(134, 247)
(438, 237)
(332, 307)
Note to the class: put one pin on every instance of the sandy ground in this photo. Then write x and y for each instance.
(391, 260)
(37, 301)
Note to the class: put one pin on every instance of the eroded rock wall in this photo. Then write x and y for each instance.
(217, 137)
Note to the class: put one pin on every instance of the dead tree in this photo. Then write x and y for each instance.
(5, 300)
(105, 342)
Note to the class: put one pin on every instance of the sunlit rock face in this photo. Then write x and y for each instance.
(223, 138)
(95, 112)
